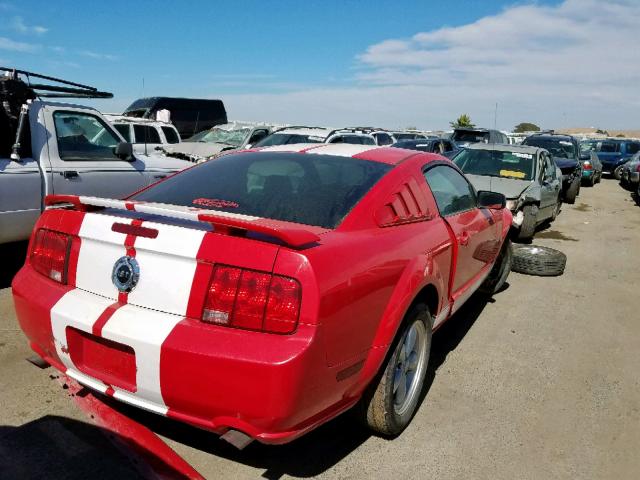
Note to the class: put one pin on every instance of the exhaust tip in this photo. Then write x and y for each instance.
(237, 439)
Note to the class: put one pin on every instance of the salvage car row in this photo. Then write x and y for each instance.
(297, 274)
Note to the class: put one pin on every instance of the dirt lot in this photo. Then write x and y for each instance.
(543, 382)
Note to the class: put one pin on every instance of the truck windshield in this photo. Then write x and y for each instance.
(303, 188)
(496, 163)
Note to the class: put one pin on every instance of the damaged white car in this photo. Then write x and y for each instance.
(221, 138)
(527, 176)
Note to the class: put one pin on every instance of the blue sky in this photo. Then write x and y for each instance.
(391, 64)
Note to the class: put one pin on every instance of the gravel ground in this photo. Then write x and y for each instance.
(542, 383)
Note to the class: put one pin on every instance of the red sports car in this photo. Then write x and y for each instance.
(263, 293)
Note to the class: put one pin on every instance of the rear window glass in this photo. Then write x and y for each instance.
(171, 135)
(470, 136)
(303, 188)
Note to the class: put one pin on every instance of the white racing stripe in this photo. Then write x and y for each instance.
(143, 330)
(75, 309)
(167, 266)
(100, 248)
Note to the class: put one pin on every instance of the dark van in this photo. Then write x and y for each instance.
(189, 115)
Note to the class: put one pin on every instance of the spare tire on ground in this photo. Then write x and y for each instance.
(537, 260)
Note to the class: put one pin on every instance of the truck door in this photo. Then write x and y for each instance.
(476, 243)
(81, 146)
(19, 198)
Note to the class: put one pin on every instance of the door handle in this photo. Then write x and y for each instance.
(159, 176)
(70, 174)
(463, 238)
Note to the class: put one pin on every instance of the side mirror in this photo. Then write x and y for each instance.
(493, 200)
(124, 151)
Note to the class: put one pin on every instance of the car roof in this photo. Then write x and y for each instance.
(121, 119)
(499, 147)
(314, 131)
(558, 136)
(388, 155)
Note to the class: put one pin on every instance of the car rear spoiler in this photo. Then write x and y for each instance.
(293, 236)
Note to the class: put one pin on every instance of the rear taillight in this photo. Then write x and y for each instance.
(50, 253)
(252, 300)
(587, 166)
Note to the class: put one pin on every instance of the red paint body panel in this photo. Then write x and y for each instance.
(358, 281)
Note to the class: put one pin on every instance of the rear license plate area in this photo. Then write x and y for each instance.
(111, 362)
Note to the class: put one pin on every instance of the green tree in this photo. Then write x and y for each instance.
(463, 121)
(602, 132)
(526, 127)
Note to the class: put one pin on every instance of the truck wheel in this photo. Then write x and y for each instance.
(389, 403)
(500, 271)
(571, 193)
(539, 261)
(528, 227)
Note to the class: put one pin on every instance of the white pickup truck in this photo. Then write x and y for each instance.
(62, 148)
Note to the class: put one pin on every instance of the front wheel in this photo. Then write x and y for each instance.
(529, 221)
(391, 401)
(572, 193)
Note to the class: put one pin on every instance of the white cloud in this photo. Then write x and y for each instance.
(17, 23)
(99, 56)
(573, 64)
(13, 46)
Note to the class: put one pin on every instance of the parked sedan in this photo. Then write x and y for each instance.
(441, 146)
(526, 176)
(630, 175)
(591, 164)
(263, 293)
(565, 152)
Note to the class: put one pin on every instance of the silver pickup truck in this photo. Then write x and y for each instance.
(62, 148)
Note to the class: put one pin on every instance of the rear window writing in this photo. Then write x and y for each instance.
(303, 188)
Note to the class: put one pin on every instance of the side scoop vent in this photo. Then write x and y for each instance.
(407, 205)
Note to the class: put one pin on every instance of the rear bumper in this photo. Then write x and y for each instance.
(588, 173)
(272, 387)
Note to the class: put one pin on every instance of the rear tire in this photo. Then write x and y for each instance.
(617, 173)
(539, 261)
(572, 193)
(389, 403)
(528, 227)
(500, 271)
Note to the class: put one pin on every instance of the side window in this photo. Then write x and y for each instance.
(383, 139)
(146, 134)
(453, 193)
(608, 147)
(549, 167)
(447, 146)
(633, 148)
(171, 135)
(124, 130)
(82, 136)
